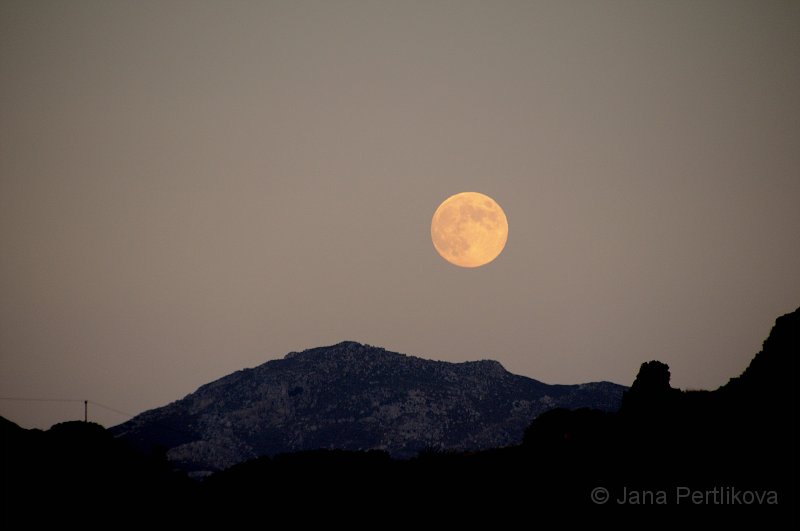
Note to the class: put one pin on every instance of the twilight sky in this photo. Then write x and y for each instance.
(188, 188)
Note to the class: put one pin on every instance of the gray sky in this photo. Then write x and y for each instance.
(191, 188)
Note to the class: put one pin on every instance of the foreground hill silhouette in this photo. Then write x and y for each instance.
(51, 474)
(716, 457)
(354, 397)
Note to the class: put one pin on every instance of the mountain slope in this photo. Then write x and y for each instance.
(354, 397)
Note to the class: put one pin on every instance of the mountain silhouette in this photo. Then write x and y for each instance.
(351, 396)
(708, 457)
(772, 373)
(715, 457)
(730, 445)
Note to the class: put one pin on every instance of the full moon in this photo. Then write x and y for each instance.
(469, 229)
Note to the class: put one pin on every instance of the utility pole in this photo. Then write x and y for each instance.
(86, 411)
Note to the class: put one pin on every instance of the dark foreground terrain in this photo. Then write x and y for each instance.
(720, 456)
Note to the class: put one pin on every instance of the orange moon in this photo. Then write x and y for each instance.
(469, 229)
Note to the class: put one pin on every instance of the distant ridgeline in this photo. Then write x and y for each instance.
(354, 397)
(710, 456)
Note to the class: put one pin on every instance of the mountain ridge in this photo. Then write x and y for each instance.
(354, 396)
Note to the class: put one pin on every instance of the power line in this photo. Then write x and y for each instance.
(23, 399)
(117, 411)
(70, 400)
(184, 432)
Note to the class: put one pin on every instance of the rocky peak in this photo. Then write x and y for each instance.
(353, 396)
(340, 349)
